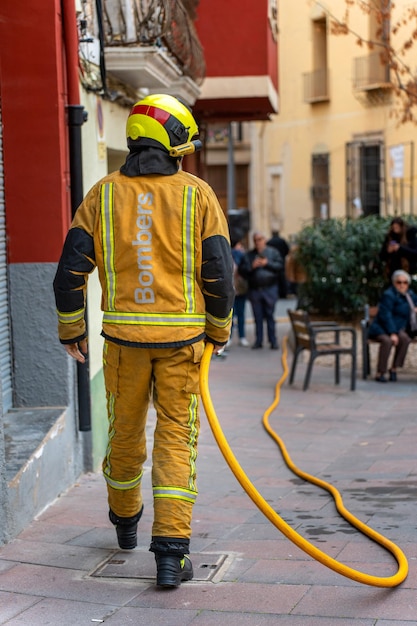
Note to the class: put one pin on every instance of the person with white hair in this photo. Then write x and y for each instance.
(394, 325)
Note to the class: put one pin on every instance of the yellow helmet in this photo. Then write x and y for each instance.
(163, 119)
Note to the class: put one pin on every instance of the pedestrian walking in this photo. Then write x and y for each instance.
(241, 291)
(160, 242)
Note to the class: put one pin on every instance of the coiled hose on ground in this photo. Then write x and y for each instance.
(268, 511)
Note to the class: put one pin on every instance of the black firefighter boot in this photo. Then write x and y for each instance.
(126, 529)
(173, 566)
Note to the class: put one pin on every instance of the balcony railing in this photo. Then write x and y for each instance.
(165, 24)
(316, 87)
(371, 72)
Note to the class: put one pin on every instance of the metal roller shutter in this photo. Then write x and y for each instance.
(5, 351)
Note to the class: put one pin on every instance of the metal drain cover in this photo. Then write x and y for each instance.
(137, 564)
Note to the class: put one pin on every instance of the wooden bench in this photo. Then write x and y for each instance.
(369, 315)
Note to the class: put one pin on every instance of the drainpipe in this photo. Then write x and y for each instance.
(76, 116)
(231, 182)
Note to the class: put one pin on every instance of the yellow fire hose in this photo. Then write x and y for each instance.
(268, 511)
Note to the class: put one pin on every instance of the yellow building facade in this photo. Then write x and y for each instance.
(336, 147)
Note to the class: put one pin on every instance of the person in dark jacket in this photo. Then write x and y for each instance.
(260, 266)
(280, 244)
(241, 290)
(399, 249)
(394, 325)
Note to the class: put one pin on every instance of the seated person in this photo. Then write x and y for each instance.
(395, 324)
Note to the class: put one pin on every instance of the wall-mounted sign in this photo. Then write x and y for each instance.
(396, 161)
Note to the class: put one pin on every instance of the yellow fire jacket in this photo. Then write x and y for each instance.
(161, 247)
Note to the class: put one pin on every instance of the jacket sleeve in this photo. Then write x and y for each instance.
(217, 273)
(70, 283)
(385, 313)
(275, 260)
(245, 265)
(409, 251)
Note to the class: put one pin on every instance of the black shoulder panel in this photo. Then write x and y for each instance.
(217, 275)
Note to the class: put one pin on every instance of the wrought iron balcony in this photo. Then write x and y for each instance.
(316, 86)
(151, 44)
(371, 72)
(163, 29)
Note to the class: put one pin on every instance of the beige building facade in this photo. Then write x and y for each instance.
(336, 147)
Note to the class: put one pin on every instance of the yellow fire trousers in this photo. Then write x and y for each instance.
(171, 376)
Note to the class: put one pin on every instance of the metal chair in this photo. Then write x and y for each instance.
(306, 337)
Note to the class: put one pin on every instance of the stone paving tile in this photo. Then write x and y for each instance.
(12, 604)
(52, 611)
(81, 513)
(309, 572)
(228, 516)
(359, 602)
(255, 598)
(209, 530)
(237, 545)
(235, 567)
(54, 582)
(54, 555)
(399, 467)
(51, 533)
(373, 553)
(104, 539)
(151, 617)
(255, 548)
(236, 501)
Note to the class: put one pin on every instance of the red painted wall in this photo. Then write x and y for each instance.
(236, 38)
(36, 169)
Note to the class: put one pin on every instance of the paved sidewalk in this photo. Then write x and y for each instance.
(66, 569)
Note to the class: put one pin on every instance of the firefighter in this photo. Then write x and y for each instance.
(160, 242)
